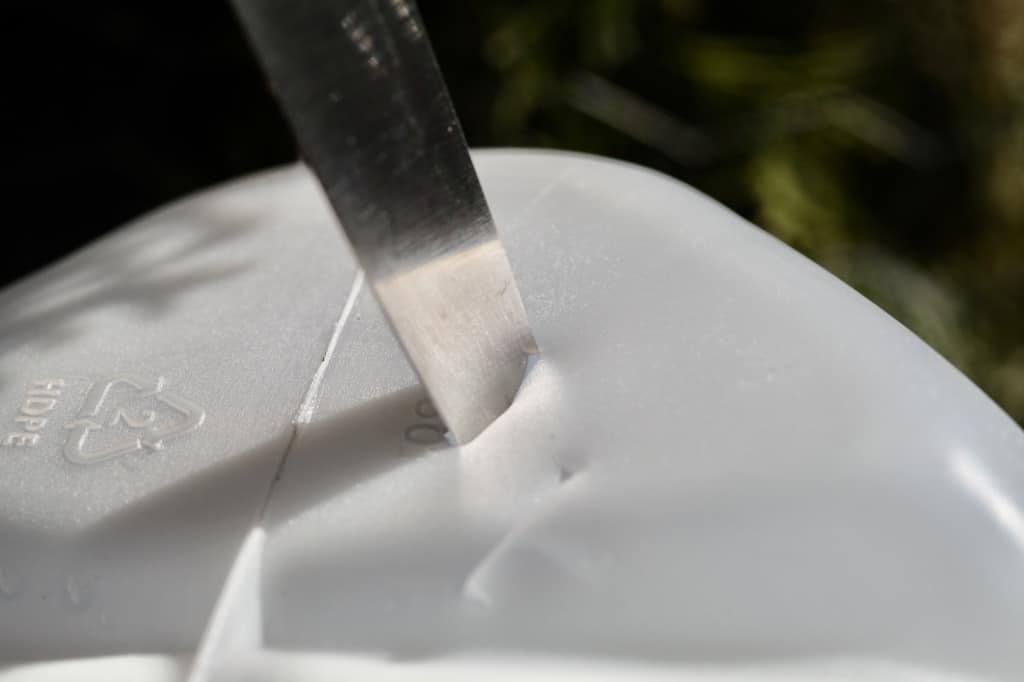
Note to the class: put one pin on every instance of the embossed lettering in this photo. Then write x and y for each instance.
(31, 423)
(41, 399)
(49, 387)
(20, 439)
(37, 406)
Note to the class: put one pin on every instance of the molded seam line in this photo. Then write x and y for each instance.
(311, 401)
(237, 619)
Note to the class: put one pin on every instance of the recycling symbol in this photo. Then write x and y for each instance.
(125, 415)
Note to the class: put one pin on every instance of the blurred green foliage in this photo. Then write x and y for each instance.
(882, 138)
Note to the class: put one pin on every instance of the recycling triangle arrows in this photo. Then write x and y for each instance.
(125, 415)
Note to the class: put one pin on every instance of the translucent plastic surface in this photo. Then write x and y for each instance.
(726, 465)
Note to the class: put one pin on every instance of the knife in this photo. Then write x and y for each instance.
(359, 84)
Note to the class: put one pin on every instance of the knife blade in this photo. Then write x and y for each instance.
(360, 86)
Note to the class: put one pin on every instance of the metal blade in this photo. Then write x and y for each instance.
(359, 83)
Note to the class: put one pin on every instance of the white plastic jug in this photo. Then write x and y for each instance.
(215, 463)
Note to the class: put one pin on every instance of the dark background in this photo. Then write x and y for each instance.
(883, 138)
